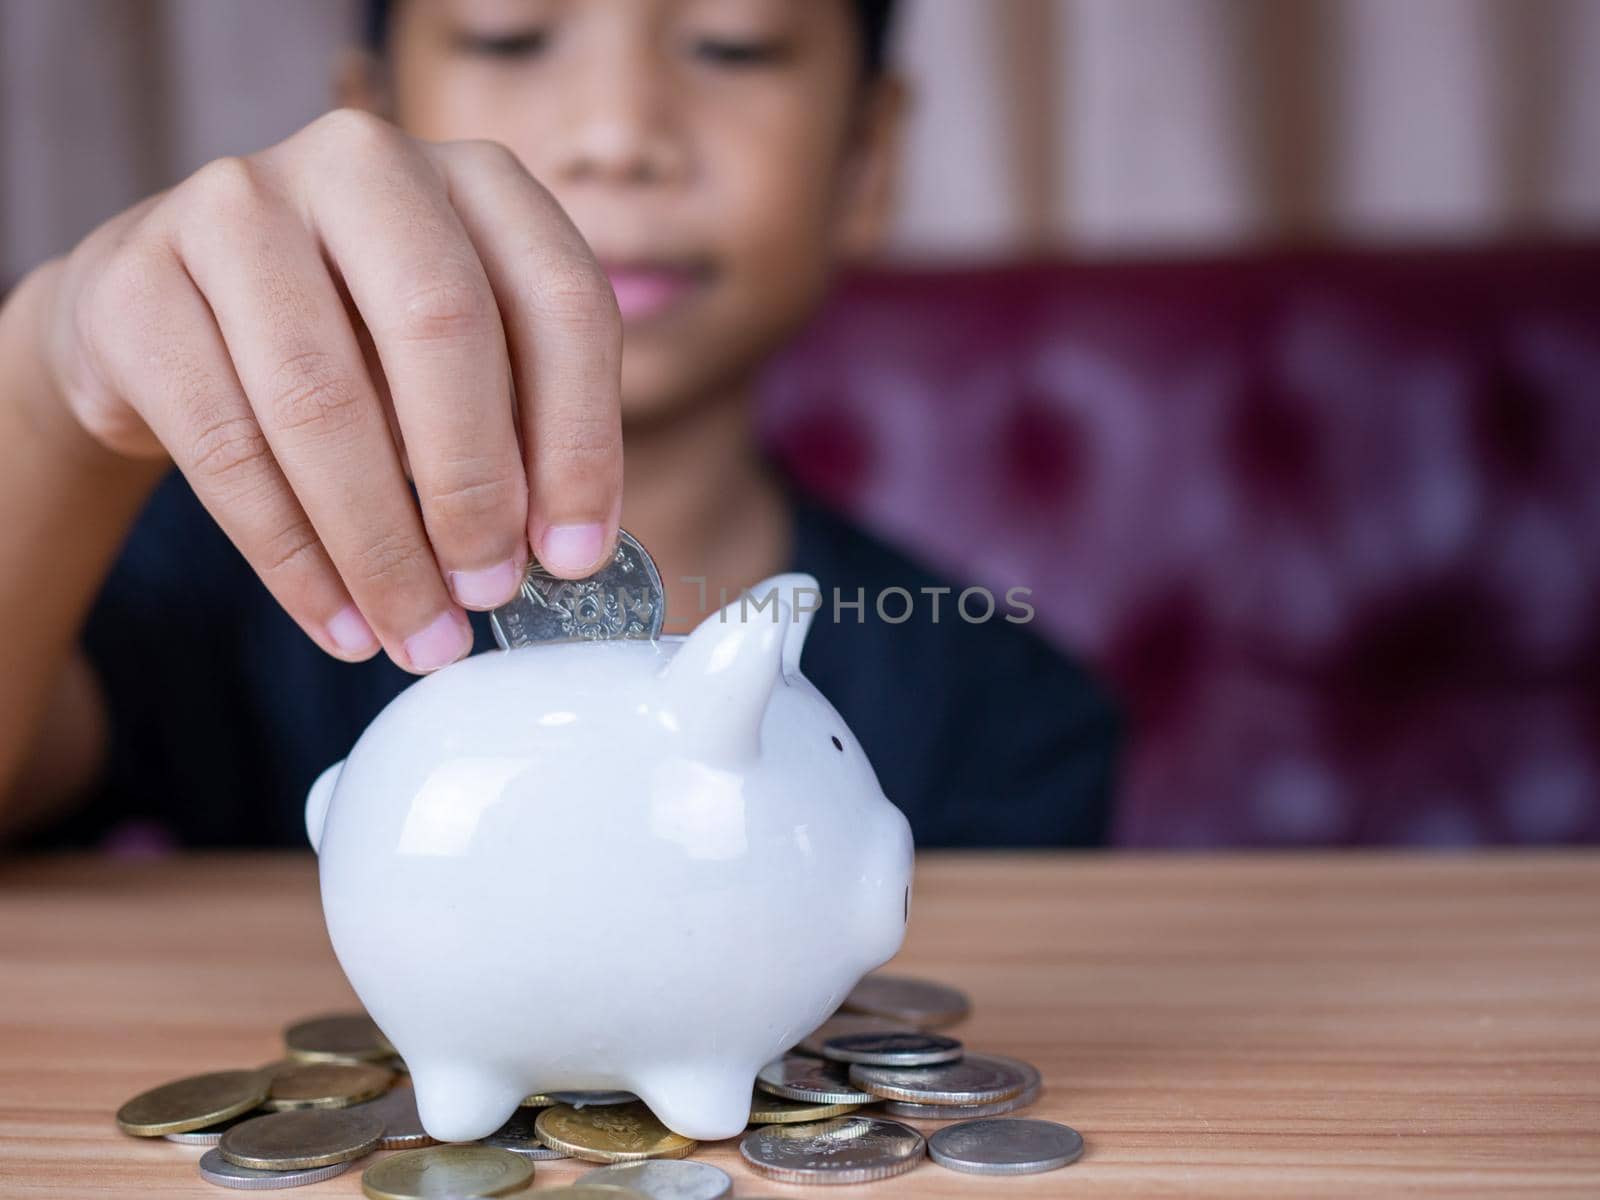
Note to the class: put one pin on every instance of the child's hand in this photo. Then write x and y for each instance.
(238, 322)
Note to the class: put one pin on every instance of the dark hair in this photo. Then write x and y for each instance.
(874, 16)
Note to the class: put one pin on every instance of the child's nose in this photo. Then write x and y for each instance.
(622, 126)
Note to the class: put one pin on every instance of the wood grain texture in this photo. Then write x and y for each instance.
(1228, 1026)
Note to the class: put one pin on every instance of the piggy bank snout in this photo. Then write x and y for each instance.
(889, 871)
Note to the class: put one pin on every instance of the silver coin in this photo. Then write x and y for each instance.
(402, 1127)
(960, 1112)
(844, 1150)
(623, 599)
(915, 1049)
(592, 1099)
(799, 1078)
(1007, 1146)
(666, 1179)
(976, 1079)
(218, 1170)
(919, 1002)
(195, 1137)
(209, 1136)
(848, 1023)
(518, 1136)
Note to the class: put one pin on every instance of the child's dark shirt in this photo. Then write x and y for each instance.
(223, 711)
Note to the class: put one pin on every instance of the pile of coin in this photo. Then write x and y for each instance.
(822, 1114)
(882, 1051)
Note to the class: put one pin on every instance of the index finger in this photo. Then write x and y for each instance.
(564, 335)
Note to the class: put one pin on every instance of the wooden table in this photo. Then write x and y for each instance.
(1226, 1026)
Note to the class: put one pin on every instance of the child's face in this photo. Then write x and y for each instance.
(718, 155)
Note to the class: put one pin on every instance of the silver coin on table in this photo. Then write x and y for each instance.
(517, 1135)
(1005, 1146)
(218, 1170)
(976, 1079)
(623, 599)
(961, 1112)
(852, 1149)
(844, 1022)
(402, 1127)
(592, 1099)
(666, 1179)
(209, 1136)
(797, 1077)
(915, 1049)
(919, 1002)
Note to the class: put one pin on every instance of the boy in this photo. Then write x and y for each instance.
(376, 302)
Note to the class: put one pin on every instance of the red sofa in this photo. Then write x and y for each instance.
(1328, 523)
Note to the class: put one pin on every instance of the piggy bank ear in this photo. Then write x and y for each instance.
(804, 598)
(718, 683)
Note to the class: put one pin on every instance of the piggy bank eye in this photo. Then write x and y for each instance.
(837, 745)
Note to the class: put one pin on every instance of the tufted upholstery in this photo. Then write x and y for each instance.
(1330, 524)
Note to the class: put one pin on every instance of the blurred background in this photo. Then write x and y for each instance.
(1081, 126)
(1260, 338)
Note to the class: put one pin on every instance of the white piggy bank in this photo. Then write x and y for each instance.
(610, 865)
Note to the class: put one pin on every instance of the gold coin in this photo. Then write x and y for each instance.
(192, 1103)
(458, 1170)
(775, 1110)
(537, 1100)
(402, 1125)
(326, 1085)
(347, 1037)
(613, 1133)
(306, 1137)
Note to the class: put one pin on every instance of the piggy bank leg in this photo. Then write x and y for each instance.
(702, 1102)
(460, 1103)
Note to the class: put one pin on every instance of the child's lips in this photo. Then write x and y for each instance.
(646, 290)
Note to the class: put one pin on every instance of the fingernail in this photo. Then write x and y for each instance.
(446, 638)
(572, 547)
(349, 631)
(485, 588)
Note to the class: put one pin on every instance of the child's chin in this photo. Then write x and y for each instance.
(660, 382)
(652, 400)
